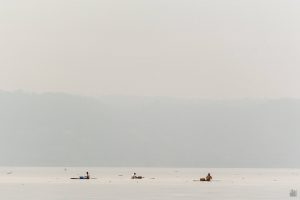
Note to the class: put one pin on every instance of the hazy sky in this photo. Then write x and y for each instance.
(191, 48)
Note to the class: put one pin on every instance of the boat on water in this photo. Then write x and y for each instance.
(84, 177)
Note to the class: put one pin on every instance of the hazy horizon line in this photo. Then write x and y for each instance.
(27, 92)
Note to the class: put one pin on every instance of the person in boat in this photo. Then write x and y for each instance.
(134, 176)
(87, 175)
(208, 178)
(83, 177)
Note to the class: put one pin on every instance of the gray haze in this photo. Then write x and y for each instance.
(116, 83)
(194, 48)
(66, 130)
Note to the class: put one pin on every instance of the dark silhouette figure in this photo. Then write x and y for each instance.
(134, 176)
(83, 177)
(208, 178)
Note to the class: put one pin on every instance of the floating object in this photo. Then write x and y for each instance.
(208, 178)
(137, 177)
(82, 178)
(134, 176)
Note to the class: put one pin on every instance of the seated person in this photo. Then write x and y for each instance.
(134, 176)
(208, 178)
(87, 175)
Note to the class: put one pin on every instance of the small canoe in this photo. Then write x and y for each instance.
(83, 178)
(137, 177)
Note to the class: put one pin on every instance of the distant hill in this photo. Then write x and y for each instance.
(67, 130)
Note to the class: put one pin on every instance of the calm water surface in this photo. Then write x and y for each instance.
(159, 183)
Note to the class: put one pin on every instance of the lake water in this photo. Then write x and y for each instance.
(159, 183)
